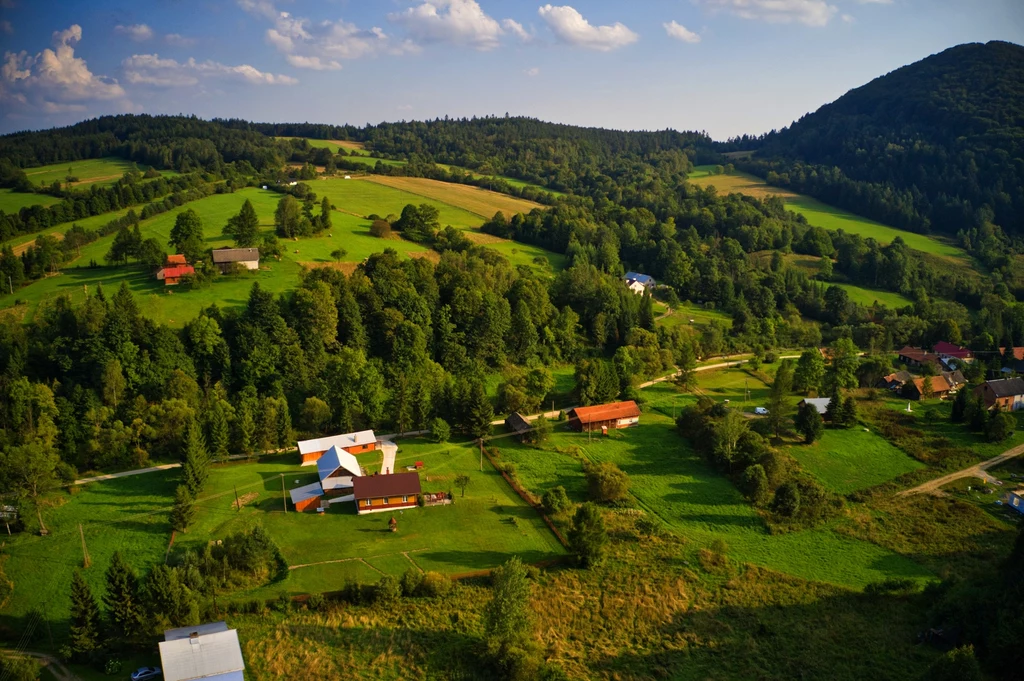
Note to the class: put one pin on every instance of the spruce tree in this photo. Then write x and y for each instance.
(220, 430)
(478, 410)
(284, 424)
(196, 467)
(325, 214)
(122, 599)
(244, 227)
(85, 618)
(507, 615)
(183, 514)
(246, 430)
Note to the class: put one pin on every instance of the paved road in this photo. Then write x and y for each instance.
(388, 449)
(976, 471)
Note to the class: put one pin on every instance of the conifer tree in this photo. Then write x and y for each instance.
(122, 599)
(85, 618)
(479, 412)
(184, 512)
(587, 535)
(195, 470)
(244, 227)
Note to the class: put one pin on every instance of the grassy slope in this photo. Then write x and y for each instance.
(823, 215)
(850, 460)
(482, 202)
(92, 171)
(12, 201)
(363, 197)
(858, 294)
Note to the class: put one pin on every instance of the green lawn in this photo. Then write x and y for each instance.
(92, 171)
(363, 198)
(867, 297)
(12, 201)
(669, 480)
(474, 533)
(531, 256)
(701, 316)
(850, 460)
(129, 514)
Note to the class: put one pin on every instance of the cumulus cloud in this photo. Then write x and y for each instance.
(461, 22)
(516, 29)
(320, 45)
(807, 12)
(137, 32)
(680, 32)
(152, 69)
(572, 28)
(178, 40)
(55, 80)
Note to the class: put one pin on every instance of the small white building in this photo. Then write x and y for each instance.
(248, 257)
(638, 283)
(820, 403)
(207, 651)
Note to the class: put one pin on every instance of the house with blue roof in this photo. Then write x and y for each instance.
(638, 283)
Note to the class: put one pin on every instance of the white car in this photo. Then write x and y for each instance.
(760, 411)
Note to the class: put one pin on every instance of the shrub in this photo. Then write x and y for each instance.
(435, 584)
(380, 229)
(770, 357)
(606, 482)
(555, 500)
(283, 603)
(112, 667)
(647, 526)
(587, 535)
(440, 430)
(958, 664)
(316, 602)
(411, 581)
(893, 586)
(787, 500)
(387, 591)
(20, 668)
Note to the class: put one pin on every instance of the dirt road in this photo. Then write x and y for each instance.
(708, 367)
(55, 666)
(976, 471)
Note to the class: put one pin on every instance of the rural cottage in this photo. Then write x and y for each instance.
(1007, 393)
(224, 258)
(601, 416)
(353, 443)
(174, 269)
(374, 493)
(638, 283)
(206, 651)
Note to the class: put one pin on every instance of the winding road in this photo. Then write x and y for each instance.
(976, 471)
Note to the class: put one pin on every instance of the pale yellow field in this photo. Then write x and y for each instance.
(478, 201)
(742, 184)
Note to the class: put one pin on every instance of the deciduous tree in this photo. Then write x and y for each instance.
(587, 535)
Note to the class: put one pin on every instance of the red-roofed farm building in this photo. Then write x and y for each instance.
(614, 415)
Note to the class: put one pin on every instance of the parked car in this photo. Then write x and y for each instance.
(760, 411)
(147, 674)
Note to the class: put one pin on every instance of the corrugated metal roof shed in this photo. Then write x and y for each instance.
(311, 491)
(335, 458)
(215, 655)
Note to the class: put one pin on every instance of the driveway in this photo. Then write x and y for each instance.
(977, 471)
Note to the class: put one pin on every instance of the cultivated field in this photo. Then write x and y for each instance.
(821, 214)
(92, 171)
(360, 196)
(482, 202)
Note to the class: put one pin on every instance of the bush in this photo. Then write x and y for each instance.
(587, 535)
(770, 357)
(411, 582)
(387, 591)
(555, 500)
(316, 603)
(606, 482)
(647, 526)
(956, 665)
(787, 500)
(435, 584)
(112, 667)
(20, 668)
(440, 429)
(893, 586)
(380, 229)
(283, 603)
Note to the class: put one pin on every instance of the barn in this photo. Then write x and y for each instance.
(171, 275)
(614, 415)
(517, 423)
(353, 443)
(307, 497)
(375, 493)
(337, 469)
(249, 258)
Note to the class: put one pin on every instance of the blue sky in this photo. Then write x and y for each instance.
(724, 66)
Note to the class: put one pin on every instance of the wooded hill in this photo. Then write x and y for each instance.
(933, 146)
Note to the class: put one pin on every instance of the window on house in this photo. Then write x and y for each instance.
(386, 501)
(405, 498)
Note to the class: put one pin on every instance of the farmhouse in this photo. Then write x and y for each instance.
(336, 469)
(223, 258)
(207, 651)
(1006, 393)
(638, 283)
(915, 357)
(601, 416)
(895, 381)
(517, 423)
(1016, 500)
(174, 269)
(950, 351)
(915, 390)
(353, 443)
(820, 403)
(374, 493)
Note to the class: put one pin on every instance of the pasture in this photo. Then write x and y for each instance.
(858, 294)
(482, 202)
(850, 460)
(105, 170)
(12, 201)
(821, 214)
(686, 311)
(361, 196)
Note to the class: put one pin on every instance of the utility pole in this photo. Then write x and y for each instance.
(481, 443)
(238, 506)
(85, 552)
(284, 496)
(10, 284)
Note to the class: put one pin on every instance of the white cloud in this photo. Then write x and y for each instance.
(461, 22)
(848, 18)
(55, 80)
(807, 12)
(516, 29)
(535, 71)
(571, 27)
(137, 32)
(680, 32)
(319, 45)
(151, 69)
(178, 40)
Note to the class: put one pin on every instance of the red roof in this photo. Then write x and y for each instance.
(939, 384)
(175, 272)
(917, 354)
(377, 486)
(606, 412)
(951, 350)
(176, 259)
(1017, 351)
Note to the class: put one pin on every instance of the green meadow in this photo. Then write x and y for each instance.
(12, 201)
(850, 460)
(868, 297)
(363, 198)
(91, 171)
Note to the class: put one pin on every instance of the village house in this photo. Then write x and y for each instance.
(206, 651)
(375, 493)
(915, 390)
(224, 258)
(895, 381)
(337, 468)
(353, 443)
(819, 403)
(915, 357)
(604, 416)
(517, 423)
(175, 267)
(638, 283)
(950, 351)
(1006, 393)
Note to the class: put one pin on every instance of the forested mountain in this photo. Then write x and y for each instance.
(934, 146)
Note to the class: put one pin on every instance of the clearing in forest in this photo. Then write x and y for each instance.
(482, 202)
(105, 170)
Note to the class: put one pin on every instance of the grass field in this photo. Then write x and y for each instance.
(12, 201)
(474, 533)
(850, 460)
(92, 171)
(858, 294)
(686, 311)
(360, 196)
(670, 481)
(821, 214)
(479, 201)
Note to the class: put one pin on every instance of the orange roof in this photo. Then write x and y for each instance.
(606, 412)
(1018, 352)
(176, 259)
(175, 272)
(939, 384)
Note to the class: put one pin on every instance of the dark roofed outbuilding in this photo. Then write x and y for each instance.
(518, 424)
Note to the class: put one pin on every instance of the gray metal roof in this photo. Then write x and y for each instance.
(1007, 387)
(235, 254)
(200, 629)
(204, 656)
(820, 403)
(335, 458)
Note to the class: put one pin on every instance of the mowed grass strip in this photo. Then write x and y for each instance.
(105, 170)
(482, 202)
(821, 214)
(849, 460)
